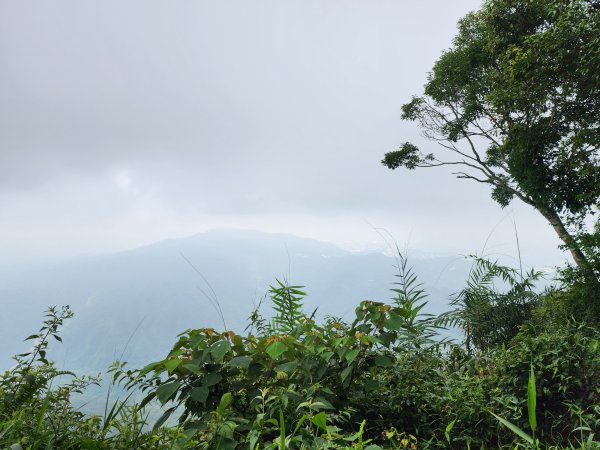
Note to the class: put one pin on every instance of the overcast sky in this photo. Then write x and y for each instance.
(127, 122)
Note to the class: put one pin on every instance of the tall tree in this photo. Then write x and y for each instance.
(515, 104)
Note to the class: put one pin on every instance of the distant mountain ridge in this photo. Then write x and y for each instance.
(134, 303)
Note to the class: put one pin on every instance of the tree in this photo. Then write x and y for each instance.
(515, 104)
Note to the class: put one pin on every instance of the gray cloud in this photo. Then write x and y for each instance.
(115, 113)
(255, 86)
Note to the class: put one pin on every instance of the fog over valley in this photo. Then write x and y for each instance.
(131, 305)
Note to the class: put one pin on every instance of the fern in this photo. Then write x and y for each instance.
(419, 329)
(486, 315)
(287, 304)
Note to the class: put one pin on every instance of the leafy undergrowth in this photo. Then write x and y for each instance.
(521, 378)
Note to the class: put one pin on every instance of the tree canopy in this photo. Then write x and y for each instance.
(515, 104)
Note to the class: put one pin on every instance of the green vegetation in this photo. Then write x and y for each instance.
(520, 89)
(515, 104)
(522, 377)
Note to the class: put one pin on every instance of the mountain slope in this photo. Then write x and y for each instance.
(133, 304)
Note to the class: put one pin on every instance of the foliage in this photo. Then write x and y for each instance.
(233, 388)
(385, 380)
(36, 409)
(487, 316)
(531, 411)
(515, 104)
(386, 371)
(287, 305)
(566, 362)
(20, 384)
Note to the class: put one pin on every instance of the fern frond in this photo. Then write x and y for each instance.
(288, 302)
(486, 315)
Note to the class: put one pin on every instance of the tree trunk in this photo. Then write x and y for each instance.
(554, 219)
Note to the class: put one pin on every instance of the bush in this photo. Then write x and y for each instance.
(36, 409)
(384, 380)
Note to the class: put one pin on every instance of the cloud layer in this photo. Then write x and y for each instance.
(122, 122)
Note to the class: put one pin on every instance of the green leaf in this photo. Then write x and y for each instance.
(219, 349)
(172, 364)
(387, 338)
(515, 429)
(281, 445)
(320, 420)
(165, 391)
(240, 361)
(346, 373)
(162, 419)
(450, 426)
(224, 403)
(351, 355)
(150, 367)
(211, 379)
(287, 367)
(327, 355)
(193, 368)
(531, 400)
(371, 385)
(195, 342)
(276, 349)
(227, 443)
(299, 424)
(384, 361)
(449, 429)
(253, 437)
(394, 323)
(370, 339)
(199, 394)
(147, 399)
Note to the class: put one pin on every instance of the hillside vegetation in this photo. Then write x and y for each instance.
(526, 374)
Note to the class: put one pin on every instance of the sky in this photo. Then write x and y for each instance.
(126, 122)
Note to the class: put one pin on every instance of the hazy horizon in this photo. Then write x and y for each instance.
(382, 243)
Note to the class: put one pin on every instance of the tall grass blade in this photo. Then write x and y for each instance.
(515, 429)
(531, 400)
(281, 431)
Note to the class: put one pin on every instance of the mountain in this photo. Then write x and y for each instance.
(132, 304)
